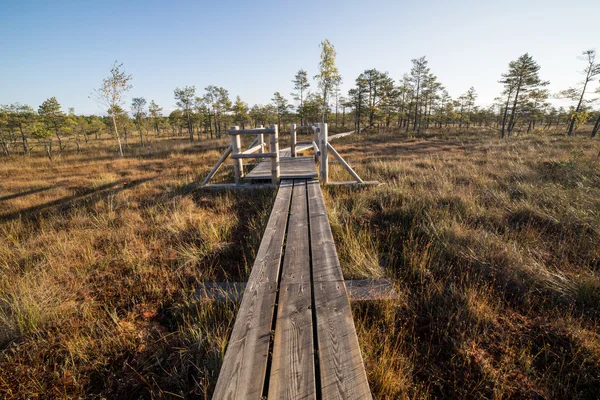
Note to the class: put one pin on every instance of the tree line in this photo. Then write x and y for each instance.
(376, 102)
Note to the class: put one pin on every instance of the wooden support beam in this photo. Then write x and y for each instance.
(236, 144)
(251, 131)
(274, 148)
(324, 142)
(293, 139)
(317, 134)
(344, 163)
(316, 149)
(261, 139)
(252, 144)
(302, 148)
(214, 169)
(259, 155)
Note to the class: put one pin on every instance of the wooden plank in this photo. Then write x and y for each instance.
(342, 373)
(251, 131)
(249, 155)
(325, 262)
(290, 168)
(253, 149)
(342, 370)
(230, 186)
(292, 369)
(340, 135)
(370, 290)
(353, 183)
(244, 367)
(358, 290)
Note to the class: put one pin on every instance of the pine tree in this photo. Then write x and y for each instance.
(591, 71)
(155, 113)
(521, 78)
(301, 86)
(185, 101)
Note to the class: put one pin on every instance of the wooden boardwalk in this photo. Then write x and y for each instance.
(294, 336)
(290, 167)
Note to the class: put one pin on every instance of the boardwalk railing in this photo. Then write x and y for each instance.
(238, 155)
(285, 163)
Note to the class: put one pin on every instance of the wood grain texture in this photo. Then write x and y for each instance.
(325, 263)
(292, 369)
(358, 290)
(296, 262)
(243, 371)
(343, 374)
(290, 168)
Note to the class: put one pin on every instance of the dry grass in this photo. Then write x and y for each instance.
(494, 247)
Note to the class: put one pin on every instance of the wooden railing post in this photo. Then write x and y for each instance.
(236, 148)
(323, 148)
(274, 148)
(261, 140)
(293, 139)
(317, 131)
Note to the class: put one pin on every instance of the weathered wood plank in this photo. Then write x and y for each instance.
(353, 183)
(251, 131)
(343, 374)
(229, 186)
(290, 168)
(243, 372)
(296, 262)
(251, 155)
(325, 263)
(370, 290)
(292, 369)
(358, 290)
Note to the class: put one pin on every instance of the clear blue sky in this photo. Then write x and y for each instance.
(254, 48)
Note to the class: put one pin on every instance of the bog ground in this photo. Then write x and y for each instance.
(493, 246)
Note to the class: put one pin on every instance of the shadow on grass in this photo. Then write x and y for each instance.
(74, 200)
(26, 193)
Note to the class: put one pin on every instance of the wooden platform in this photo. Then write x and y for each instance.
(294, 337)
(290, 167)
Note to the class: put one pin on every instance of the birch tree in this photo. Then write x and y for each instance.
(328, 73)
(111, 95)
